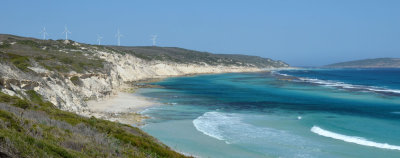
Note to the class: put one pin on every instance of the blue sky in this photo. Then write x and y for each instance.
(300, 32)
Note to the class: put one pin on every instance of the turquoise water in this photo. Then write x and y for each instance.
(297, 113)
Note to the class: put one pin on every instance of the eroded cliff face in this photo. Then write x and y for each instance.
(70, 90)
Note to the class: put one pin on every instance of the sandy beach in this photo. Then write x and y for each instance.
(123, 108)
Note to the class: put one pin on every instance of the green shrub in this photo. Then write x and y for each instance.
(67, 60)
(56, 139)
(5, 45)
(5, 98)
(40, 58)
(10, 119)
(75, 80)
(60, 68)
(28, 146)
(22, 104)
(15, 101)
(21, 62)
(29, 43)
(35, 97)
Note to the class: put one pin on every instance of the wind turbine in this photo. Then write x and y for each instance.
(99, 39)
(66, 31)
(118, 35)
(154, 39)
(44, 33)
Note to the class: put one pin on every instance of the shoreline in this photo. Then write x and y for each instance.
(125, 105)
(132, 116)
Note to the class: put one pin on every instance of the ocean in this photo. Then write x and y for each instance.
(302, 113)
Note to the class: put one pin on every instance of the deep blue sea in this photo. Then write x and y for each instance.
(306, 113)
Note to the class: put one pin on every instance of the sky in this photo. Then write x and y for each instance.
(299, 32)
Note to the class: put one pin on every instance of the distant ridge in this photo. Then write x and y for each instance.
(181, 55)
(368, 63)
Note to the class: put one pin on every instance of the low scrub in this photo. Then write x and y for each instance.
(29, 43)
(32, 127)
(21, 62)
(75, 80)
(5, 45)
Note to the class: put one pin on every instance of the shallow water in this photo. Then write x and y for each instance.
(280, 114)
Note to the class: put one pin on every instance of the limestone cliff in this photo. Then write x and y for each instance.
(68, 73)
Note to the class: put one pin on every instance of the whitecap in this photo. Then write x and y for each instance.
(337, 84)
(208, 126)
(280, 74)
(352, 139)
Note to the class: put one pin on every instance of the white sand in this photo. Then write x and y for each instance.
(122, 108)
(121, 103)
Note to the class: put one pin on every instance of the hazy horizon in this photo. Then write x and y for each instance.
(306, 33)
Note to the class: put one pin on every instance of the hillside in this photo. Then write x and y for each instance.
(68, 73)
(45, 86)
(180, 55)
(33, 127)
(369, 63)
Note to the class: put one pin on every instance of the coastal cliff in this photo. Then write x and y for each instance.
(46, 86)
(68, 73)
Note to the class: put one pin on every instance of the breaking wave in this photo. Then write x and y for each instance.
(231, 128)
(209, 124)
(352, 139)
(341, 85)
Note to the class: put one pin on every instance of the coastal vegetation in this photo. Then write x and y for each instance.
(33, 127)
(66, 56)
(180, 55)
(50, 54)
(75, 80)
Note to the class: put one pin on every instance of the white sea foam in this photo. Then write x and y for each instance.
(282, 74)
(396, 112)
(227, 126)
(232, 129)
(210, 126)
(337, 84)
(278, 73)
(349, 86)
(352, 139)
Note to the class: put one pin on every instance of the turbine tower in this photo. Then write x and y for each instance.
(99, 39)
(118, 35)
(44, 33)
(66, 31)
(154, 39)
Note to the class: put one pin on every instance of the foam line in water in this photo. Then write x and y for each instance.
(343, 85)
(349, 86)
(233, 129)
(352, 139)
(207, 124)
(396, 112)
(278, 73)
